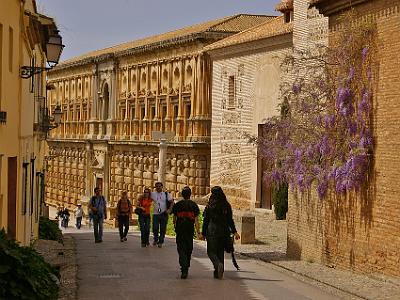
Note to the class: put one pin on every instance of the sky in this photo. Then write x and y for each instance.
(88, 25)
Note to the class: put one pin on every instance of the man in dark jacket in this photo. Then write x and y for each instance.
(98, 208)
(186, 214)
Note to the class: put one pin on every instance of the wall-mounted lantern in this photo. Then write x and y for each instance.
(54, 49)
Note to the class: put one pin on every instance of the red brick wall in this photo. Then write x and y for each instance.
(362, 232)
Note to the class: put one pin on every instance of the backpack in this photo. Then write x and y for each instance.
(124, 209)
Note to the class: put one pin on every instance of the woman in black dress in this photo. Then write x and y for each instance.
(218, 225)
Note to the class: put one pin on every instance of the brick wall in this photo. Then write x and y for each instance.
(361, 232)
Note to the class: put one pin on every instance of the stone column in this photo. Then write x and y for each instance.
(162, 160)
(89, 176)
(114, 92)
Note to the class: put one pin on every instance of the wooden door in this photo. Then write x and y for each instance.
(99, 183)
(12, 197)
(264, 191)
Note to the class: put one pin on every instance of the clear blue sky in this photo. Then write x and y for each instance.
(88, 25)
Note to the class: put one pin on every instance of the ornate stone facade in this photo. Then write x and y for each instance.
(113, 99)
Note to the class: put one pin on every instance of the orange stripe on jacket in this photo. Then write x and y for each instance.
(186, 214)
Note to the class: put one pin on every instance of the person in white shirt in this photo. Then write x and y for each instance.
(78, 216)
(162, 204)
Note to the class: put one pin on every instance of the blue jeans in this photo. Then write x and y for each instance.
(78, 222)
(98, 227)
(159, 227)
(144, 222)
(123, 226)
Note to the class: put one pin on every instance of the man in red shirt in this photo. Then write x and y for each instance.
(186, 214)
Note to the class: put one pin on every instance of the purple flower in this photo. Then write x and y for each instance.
(343, 97)
(364, 106)
(351, 74)
(324, 147)
(322, 188)
(364, 53)
(329, 121)
(276, 176)
(352, 128)
(365, 142)
(296, 88)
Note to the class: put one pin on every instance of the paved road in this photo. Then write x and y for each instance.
(115, 270)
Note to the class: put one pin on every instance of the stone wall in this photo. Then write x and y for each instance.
(361, 232)
(132, 167)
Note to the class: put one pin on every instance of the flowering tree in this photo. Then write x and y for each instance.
(323, 136)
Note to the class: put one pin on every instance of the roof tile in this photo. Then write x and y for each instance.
(267, 29)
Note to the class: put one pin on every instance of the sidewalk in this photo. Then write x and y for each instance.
(271, 248)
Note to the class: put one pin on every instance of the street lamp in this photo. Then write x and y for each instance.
(57, 114)
(54, 48)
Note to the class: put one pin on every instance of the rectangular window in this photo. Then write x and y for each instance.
(24, 187)
(11, 48)
(32, 184)
(188, 109)
(153, 112)
(175, 111)
(143, 115)
(287, 17)
(164, 112)
(231, 92)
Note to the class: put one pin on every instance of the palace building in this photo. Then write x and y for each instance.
(114, 99)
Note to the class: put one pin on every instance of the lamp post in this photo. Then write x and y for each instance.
(163, 137)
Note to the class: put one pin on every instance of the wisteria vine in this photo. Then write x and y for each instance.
(323, 136)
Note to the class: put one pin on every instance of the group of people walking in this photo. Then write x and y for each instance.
(217, 228)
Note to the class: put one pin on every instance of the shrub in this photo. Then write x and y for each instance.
(48, 230)
(24, 274)
(280, 201)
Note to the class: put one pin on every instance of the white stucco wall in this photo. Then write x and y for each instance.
(257, 81)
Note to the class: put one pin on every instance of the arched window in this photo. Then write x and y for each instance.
(143, 81)
(154, 81)
(124, 81)
(177, 76)
(188, 75)
(133, 82)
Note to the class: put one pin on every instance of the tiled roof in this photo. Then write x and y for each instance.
(285, 5)
(267, 29)
(232, 24)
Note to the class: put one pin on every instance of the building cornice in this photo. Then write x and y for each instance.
(329, 7)
(202, 36)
